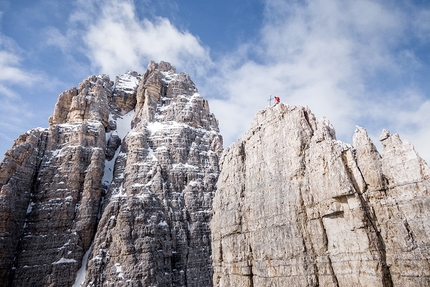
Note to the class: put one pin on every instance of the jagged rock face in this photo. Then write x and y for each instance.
(132, 210)
(155, 223)
(295, 207)
(51, 191)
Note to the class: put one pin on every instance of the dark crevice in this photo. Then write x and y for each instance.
(336, 214)
(410, 238)
(242, 153)
(188, 234)
(306, 115)
(251, 264)
(251, 278)
(380, 244)
(313, 277)
(372, 222)
(333, 274)
(305, 220)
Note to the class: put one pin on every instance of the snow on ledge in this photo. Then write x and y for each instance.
(82, 272)
(65, 260)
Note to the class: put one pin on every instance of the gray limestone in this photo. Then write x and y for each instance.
(125, 175)
(130, 186)
(296, 207)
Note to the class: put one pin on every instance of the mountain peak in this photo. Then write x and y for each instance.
(130, 183)
(125, 171)
(296, 207)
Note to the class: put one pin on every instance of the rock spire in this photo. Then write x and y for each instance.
(296, 207)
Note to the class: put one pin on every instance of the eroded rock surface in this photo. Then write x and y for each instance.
(154, 229)
(117, 191)
(51, 190)
(296, 207)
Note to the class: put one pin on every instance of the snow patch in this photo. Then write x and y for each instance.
(55, 153)
(30, 207)
(168, 76)
(137, 185)
(193, 183)
(151, 154)
(156, 126)
(65, 260)
(186, 166)
(123, 125)
(127, 82)
(82, 272)
(119, 272)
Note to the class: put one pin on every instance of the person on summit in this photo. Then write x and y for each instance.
(277, 100)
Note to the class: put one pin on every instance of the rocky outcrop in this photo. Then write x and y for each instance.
(296, 207)
(51, 191)
(154, 227)
(117, 191)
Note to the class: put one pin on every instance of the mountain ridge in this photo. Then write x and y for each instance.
(130, 186)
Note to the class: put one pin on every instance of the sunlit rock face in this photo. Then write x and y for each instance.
(129, 186)
(117, 191)
(296, 207)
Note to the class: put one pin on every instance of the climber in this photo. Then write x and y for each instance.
(277, 100)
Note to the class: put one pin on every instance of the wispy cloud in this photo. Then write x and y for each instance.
(12, 75)
(14, 110)
(10, 64)
(346, 60)
(115, 40)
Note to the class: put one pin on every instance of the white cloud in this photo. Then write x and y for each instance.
(421, 25)
(411, 122)
(10, 62)
(337, 57)
(341, 58)
(12, 108)
(16, 81)
(115, 40)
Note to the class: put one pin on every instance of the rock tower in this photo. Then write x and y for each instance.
(117, 191)
(296, 207)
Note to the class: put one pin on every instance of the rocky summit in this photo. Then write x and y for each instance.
(130, 186)
(296, 207)
(117, 191)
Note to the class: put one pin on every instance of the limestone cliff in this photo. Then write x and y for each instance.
(296, 207)
(117, 191)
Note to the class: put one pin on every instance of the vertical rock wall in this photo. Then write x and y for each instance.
(51, 190)
(119, 191)
(295, 207)
(125, 175)
(154, 229)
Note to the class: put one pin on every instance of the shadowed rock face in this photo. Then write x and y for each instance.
(51, 190)
(295, 207)
(125, 174)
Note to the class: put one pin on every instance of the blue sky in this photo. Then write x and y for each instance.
(363, 63)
